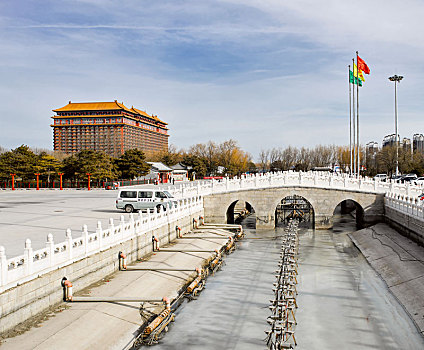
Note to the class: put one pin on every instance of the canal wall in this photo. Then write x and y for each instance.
(406, 215)
(31, 283)
(398, 261)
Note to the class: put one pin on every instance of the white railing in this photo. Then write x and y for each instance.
(411, 206)
(290, 178)
(33, 263)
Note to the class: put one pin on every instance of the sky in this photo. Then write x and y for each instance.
(267, 73)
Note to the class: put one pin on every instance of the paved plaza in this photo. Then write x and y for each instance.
(34, 214)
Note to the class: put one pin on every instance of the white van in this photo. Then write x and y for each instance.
(380, 177)
(134, 199)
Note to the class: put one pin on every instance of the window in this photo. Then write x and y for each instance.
(129, 194)
(145, 194)
(160, 195)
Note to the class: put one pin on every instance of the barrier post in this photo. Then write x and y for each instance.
(38, 178)
(89, 175)
(13, 181)
(61, 174)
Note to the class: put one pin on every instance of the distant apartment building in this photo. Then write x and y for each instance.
(406, 144)
(371, 147)
(389, 140)
(418, 143)
(110, 127)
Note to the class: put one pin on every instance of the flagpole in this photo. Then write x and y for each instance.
(353, 116)
(357, 118)
(350, 124)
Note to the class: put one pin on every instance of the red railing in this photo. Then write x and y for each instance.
(71, 184)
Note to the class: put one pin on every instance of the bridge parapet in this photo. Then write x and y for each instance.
(412, 206)
(20, 269)
(406, 214)
(291, 178)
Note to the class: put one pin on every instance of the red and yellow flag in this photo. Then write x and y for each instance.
(355, 73)
(362, 66)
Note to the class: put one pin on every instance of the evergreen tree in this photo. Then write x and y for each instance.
(47, 165)
(98, 164)
(197, 165)
(20, 161)
(132, 164)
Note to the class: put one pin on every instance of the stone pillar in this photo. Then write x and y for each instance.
(323, 221)
(265, 220)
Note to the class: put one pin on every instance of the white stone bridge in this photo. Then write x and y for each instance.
(324, 191)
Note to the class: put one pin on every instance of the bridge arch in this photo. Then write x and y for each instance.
(238, 210)
(351, 206)
(295, 206)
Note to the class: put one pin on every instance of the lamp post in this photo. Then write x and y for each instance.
(396, 79)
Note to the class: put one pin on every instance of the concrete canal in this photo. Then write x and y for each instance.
(343, 304)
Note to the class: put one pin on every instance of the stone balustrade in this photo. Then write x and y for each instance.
(33, 263)
(291, 178)
(412, 206)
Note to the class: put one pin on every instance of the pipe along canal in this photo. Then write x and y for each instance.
(342, 302)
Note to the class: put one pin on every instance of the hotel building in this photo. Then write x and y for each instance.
(110, 127)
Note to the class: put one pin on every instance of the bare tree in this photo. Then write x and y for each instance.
(264, 160)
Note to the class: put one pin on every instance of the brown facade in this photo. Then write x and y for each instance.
(107, 126)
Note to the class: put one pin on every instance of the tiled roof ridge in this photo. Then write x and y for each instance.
(114, 103)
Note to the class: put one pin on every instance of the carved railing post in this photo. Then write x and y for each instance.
(3, 266)
(69, 243)
(50, 249)
(28, 257)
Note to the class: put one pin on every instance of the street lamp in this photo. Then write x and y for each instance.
(396, 79)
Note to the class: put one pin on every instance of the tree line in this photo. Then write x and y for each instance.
(372, 163)
(203, 159)
(211, 159)
(25, 163)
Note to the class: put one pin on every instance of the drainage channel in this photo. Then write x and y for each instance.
(342, 302)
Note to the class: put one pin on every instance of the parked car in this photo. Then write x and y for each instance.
(134, 199)
(396, 178)
(408, 178)
(380, 177)
(419, 181)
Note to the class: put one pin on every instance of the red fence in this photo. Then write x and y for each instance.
(72, 184)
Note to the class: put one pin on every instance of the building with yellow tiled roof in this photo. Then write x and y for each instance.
(110, 127)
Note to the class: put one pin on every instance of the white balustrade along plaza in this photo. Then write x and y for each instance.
(31, 264)
(411, 206)
(402, 196)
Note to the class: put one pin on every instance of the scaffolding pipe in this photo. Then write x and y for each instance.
(186, 251)
(204, 237)
(114, 299)
(136, 268)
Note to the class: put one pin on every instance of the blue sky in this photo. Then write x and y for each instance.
(268, 73)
